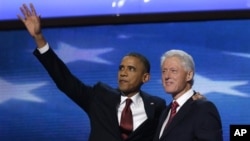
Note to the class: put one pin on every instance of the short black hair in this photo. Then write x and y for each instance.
(142, 58)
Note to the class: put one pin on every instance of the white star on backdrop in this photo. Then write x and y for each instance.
(18, 91)
(245, 55)
(205, 86)
(69, 53)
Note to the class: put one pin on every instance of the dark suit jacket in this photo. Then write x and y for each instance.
(196, 120)
(100, 102)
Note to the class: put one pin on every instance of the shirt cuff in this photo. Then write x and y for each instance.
(43, 49)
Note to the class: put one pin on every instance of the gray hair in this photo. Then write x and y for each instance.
(186, 59)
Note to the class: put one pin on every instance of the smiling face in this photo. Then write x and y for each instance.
(131, 75)
(175, 78)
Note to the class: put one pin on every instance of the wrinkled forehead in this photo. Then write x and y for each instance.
(178, 62)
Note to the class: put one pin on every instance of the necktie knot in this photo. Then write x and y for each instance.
(173, 109)
(128, 102)
(174, 106)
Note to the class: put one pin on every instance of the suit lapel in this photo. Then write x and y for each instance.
(179, 116)
(115, 100)
(161, 121)
(149, 109)
(148, 105)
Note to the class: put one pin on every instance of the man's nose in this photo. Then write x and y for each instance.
(123, 72)
(166, 75)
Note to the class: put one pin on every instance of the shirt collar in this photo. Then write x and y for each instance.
(135, 98)
(182, 99)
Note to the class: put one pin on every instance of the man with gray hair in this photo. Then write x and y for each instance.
(185, 119)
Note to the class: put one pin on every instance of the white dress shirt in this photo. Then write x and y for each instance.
(44, 48)
(137, 108)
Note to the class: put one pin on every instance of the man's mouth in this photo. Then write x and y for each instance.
(167, 82)
(123, 81)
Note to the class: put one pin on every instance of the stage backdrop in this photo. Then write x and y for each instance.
(32, 108)
(72, 8)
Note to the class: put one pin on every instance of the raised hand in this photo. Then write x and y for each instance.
(30, 19)
(32, 22)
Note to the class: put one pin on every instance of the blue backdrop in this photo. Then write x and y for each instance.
(57, 8)
(32, 108)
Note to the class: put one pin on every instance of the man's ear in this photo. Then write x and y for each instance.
(146, 77)
(190, 76)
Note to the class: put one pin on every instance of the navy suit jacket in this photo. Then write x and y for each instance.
(100, 102)
(196, 120)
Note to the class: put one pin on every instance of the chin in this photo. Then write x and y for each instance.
(169, 91)
(123, 90)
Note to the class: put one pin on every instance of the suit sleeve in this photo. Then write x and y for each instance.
(80, 93)
(208, 126)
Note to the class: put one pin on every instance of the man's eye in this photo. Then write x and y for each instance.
(121, 67)
(173, 70)
(132, 69)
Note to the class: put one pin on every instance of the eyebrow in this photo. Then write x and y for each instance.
(132, 67)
